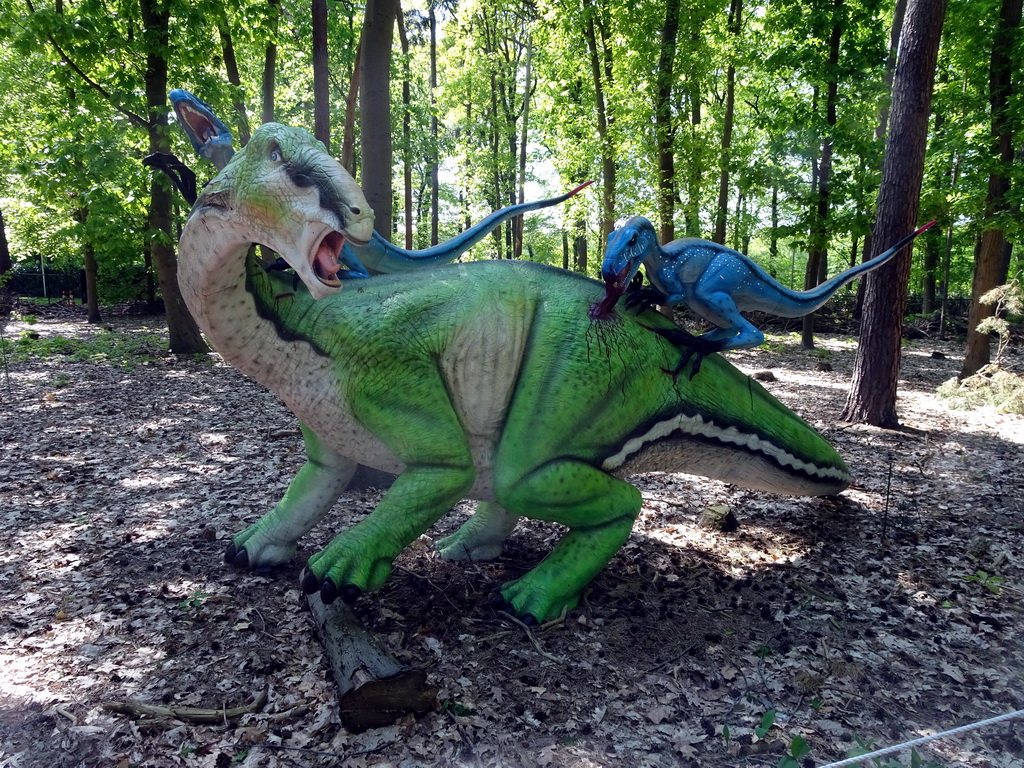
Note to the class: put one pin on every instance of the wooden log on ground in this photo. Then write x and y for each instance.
(374, 689)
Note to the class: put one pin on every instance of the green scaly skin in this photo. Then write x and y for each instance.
(485, 380)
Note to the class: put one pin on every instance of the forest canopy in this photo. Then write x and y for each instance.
(712, 119)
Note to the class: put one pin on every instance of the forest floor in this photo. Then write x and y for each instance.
(868, 619)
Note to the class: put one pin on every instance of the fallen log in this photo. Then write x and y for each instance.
(374, 689)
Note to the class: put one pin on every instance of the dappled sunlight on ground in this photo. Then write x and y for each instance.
(857, 617)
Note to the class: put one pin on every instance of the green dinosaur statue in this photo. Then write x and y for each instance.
(485, 380)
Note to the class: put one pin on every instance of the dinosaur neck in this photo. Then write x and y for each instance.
(225, 292)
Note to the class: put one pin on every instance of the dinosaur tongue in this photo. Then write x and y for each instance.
(613, 290)
(325, 263)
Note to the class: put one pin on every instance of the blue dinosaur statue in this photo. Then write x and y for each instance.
(714, 282)
(212, 140)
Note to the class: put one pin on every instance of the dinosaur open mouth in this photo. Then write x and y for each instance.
(327, 258)
(200, 124)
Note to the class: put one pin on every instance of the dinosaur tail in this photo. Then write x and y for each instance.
(382, 256)
(810, 300)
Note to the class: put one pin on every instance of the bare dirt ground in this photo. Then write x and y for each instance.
(889, 612)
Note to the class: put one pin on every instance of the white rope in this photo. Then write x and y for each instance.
(924, 740)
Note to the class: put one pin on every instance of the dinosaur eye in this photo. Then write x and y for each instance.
(275, 154)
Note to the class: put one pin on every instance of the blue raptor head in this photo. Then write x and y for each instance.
(209, 136)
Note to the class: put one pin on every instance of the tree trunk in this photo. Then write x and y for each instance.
(91, 268)
(321, 75)
(601, 72)
(406, 131)
(817, 262)
(5, 251)
(722, 211)
(899, 13)
(517, 223)
(495, 145)
(348, 145)
(579, 248)
(231, 67)
(375, 112)
(267, 86)
(932, 246)
(374, 689)
(691, 211)
(872, 397)
(433, 163)
(988, 254)
(183, 333)
(664, 129)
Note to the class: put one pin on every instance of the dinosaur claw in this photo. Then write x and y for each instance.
(530, 620)
(690, 347)
(328, 592)
(350, 594)
(310, 583)
(644, 297)
(236, 557)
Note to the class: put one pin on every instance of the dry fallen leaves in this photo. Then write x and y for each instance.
(857, 617)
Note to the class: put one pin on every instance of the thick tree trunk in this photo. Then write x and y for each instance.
(579, 249)
(872, 397)
(321, 75)
(183, 333)
(664, 130)
(989, 253)
(268, 84)
(375, 112)
(882, 125)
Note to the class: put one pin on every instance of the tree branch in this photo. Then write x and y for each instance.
(136, 119)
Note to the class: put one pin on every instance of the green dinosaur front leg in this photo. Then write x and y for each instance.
(480, 538)
(599, 511)
(359, 559)
(419, 424)
(271, 539)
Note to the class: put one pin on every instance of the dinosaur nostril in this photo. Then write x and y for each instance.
(356, 211)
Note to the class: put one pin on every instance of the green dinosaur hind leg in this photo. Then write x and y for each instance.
(480, 538)
(599, 511)
(271, 539)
